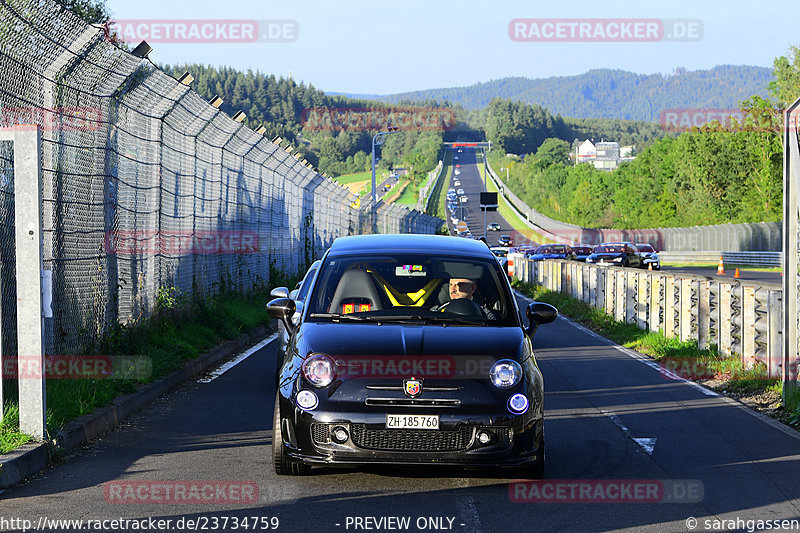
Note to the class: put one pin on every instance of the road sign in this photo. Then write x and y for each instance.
(489, 201)
(462, 227)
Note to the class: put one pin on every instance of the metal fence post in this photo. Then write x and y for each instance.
(685, 306)
(655, 302)
(703, 314)
(748, 326)
(791, 191)
(725, 325)
(774, 340)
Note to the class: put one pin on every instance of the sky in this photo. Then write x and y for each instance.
(390, 46)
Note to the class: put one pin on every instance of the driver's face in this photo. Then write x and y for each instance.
(461, 288)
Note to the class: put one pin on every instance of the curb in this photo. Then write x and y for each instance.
(31, 458)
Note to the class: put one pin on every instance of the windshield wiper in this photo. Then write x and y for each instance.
(458, 320)
(337, 316)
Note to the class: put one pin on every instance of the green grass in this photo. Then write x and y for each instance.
(439, 206)
(655, 344)
(10, 437)
(359, 176)
(410, 195)
(177, 332)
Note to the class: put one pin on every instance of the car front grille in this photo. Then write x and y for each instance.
(321, 433)
(411, 440)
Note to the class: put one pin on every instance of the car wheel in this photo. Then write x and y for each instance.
(283, 465)
(625, 264)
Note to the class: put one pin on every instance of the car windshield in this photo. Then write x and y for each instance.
(549, 249)
(645, 248)
(412, 287)
(610, 249)
(582, 250)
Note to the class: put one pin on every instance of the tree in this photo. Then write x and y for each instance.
(91, 11)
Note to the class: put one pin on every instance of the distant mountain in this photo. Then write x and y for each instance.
(605, 93)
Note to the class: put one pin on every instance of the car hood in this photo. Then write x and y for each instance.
(606, 256)
(348, 339)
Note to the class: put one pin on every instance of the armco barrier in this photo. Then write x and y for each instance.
(742, 319)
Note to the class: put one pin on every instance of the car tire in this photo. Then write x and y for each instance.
(283, 465)
(625, 264)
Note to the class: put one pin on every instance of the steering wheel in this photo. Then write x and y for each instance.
(463, 307)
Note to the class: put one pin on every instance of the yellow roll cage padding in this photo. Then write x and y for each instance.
(411, 299)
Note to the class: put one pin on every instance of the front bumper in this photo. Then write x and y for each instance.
(515, 440)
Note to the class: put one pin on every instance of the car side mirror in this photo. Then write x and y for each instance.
(279, 292)
(282, 309)
(539, 313)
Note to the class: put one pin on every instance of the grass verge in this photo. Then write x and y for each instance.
(728, 267)
(177, 332)
(726, 375)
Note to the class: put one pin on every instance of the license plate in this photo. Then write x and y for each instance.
(412, 421)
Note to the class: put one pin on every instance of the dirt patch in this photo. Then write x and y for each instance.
(767, 402)
(356, 186)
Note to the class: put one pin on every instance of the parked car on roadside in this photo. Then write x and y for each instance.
(359, 386)
(624, 254)
(649, 256)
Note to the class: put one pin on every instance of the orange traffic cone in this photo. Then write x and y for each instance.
(650, 266)
(736, 274)
(720, 268)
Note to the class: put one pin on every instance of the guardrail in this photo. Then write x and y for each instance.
(426, 192)
(742, 319)
(765, 259)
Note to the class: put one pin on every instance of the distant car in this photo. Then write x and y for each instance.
(624, 254)
(464, 198)
(551, 251)
(457, 183)
(458, 166)
(493, 226)
(457, 172)
(582, 252)
(505, 240)
(460, 192)
(455, 157)
(649, 255)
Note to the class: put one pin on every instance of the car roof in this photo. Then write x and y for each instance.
(408, 243)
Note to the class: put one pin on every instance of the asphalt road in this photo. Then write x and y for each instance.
(598, 400)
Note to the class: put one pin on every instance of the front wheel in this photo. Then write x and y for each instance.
(283, 465)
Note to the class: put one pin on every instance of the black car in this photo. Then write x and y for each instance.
(623, 254)
(582, 252)
(505, 240)
(551, 251)
(411, 350)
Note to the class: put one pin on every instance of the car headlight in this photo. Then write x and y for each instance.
(589, 260)
(505, 373)
(617, 259)
(319, 370)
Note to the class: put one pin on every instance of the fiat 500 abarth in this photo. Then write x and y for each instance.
(410, 350)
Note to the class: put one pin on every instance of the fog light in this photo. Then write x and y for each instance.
(484, 437)
(339, 435)
(518, 404)
(306, 400)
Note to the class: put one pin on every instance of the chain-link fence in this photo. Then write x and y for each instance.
(146, 186)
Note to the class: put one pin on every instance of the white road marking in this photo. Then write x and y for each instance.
(645, 443)
(239, 358)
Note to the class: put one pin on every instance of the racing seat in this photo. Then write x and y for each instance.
(356, 292)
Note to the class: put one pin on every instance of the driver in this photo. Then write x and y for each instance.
(462, 288)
